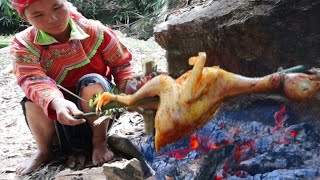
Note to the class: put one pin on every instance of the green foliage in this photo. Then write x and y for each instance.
(9, 18)
(139, 16)
(139, 9)
(114, 107)
(4, 44)
(90, 9)
(5, 41)
(136, 17)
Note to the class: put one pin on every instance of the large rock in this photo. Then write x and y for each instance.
(249, 37)
(125, 169)
(88, 173)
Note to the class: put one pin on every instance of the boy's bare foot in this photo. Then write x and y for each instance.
(32, 163)
(101, 153)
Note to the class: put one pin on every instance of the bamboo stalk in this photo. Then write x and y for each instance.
(138, 103)
(112, 105)
(86, 115)
(295, 69)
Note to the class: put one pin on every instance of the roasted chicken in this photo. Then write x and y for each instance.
(189, 102)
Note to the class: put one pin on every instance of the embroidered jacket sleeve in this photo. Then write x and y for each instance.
(117, 57)
(37, 86)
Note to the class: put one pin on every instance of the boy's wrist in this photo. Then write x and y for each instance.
(55, 102)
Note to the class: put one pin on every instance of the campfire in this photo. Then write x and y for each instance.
(230, 142)
(237, 143)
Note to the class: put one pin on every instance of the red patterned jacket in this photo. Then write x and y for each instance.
(40, 62)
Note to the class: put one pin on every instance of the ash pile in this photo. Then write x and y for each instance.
(249, 138)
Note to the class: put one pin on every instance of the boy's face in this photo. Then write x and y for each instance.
(50, 16)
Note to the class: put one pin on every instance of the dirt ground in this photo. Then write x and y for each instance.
(16, 140)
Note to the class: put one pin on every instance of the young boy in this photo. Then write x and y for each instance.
(62, 47)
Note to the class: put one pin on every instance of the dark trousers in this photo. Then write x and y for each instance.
(75, 139)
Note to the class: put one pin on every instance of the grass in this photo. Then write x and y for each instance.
(5, 41)
(4, 57)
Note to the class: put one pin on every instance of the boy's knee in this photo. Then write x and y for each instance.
(93, 82)
(91, 89)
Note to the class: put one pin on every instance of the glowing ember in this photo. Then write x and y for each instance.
(218, 178)
(239, 150)
(194, 143)
(235, 131)
(280, 117)
(294, 133)
(222, 126)
(219, 175)
(178, 154)
(241, 174)
(225, 167)
(214, 147)
(198, 143)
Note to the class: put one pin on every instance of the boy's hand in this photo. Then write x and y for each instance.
(65, 110)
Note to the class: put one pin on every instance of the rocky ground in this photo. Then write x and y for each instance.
(16, 140)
